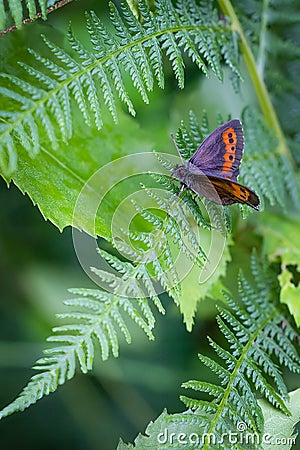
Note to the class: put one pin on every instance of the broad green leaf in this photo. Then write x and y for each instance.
(279, 430)
(168, 431)
(201, 283)
(53, 179)
(290, 294)
(281, 239)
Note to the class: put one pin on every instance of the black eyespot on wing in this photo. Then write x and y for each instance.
(212, 156)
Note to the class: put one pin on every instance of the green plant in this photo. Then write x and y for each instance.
(15, 10)
(62, 121)
(259, 338)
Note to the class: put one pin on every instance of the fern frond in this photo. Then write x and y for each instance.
(127, 289)
(96, 320)
(250, 358)
(94, 79)
(96, 317)
(16, 9)
(176, 224)
(187, 429)
(270, 27)
(263, 168)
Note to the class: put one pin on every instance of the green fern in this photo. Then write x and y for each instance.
(268, 172)
(97, 315)
(96, 318)
(271, 28)
(127, 286)
(94, 79)
(16, 8)
(259, 339)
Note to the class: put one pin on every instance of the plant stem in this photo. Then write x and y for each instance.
(261, 60)
(257, 79)
(56, 5)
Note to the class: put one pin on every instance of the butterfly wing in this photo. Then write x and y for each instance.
(213, 169)
(231, 192)
(221, 152)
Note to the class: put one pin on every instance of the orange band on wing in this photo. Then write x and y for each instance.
(229, 139)
(241, 192)
(233, 190)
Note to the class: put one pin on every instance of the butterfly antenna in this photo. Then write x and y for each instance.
(176, 146)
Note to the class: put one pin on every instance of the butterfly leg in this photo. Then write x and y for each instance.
(176, 198)
(182, 188)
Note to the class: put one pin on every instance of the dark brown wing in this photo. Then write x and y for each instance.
(231, 192)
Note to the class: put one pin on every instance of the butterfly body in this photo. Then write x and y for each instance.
(213, 169)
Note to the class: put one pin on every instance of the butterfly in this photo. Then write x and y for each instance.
(213, 169)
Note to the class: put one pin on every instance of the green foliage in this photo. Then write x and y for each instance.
(98, 314)
(170, 431)
(16, 8)
(56, 132)
(94, 79)
(193, 292)
(280, 425)
(281, 243)
(259, 337)
(58, 176)
(271, 26)
(97, 319)
(267, 171)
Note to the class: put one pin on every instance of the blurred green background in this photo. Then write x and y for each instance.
(38, 265)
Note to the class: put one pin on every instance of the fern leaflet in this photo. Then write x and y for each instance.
(271, 28)
(96, 319)
(16, 7)
(259, 337)
(96, 315)
(94, 78)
